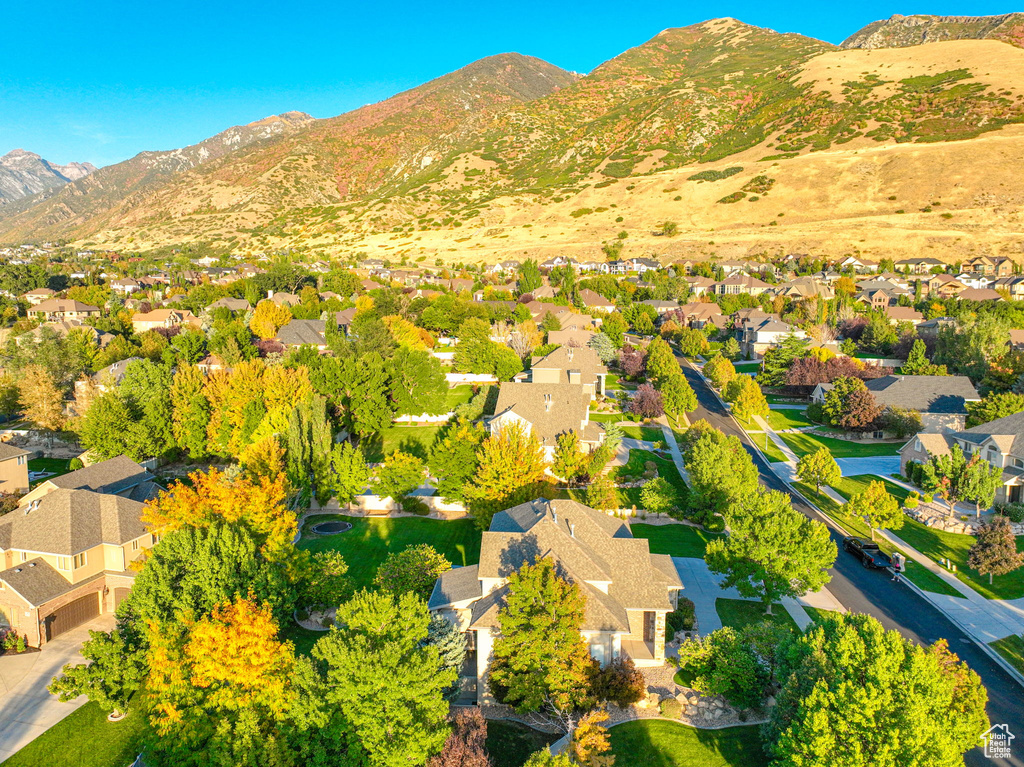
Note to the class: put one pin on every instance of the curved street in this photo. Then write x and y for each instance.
(872, 592)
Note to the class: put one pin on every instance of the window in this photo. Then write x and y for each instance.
(81, 560)
(62, 563)
(135, 545)
(24, 556)
(1018, 463)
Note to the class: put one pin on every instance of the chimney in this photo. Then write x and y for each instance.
(575, 377)
(568, 353)
(547, 403)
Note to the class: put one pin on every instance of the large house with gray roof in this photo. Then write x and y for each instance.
(580, 366)
(1000, 442)
(941, 400)
(628, 590)
(116, 476)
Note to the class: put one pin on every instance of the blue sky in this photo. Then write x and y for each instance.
(100, 81)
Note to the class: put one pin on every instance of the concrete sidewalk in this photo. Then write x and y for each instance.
(677, 455)
(703, 587)
(27, 710)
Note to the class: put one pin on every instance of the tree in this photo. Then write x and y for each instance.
(631, 361)
(719, 371)
(310, 442)
(349, 472)
(647, 402)
(414, 569)
(661, 362)
(511, 471)
(268, 318)
(678, 396)
(109, 429)
(325, 582)
(42, 402)
(601, 344)
(728, 662)
(452, 647)
(210, 497)
(10, 396)
(529, 277)
(692, 342)
(614, 326)
(398, 476)
(588, 741)
(570, 461)
(669, 228)
(658, 496)
(418, 383)
(731, 349)
(877, 507)
(368, 383)
(954, 477)
(849, 404)
(970, 346)
(601, 493)
(453, 459)
(903, 422)
(918, 364)
(778, 359)
(819, 468)
(750, 401)
(221, 688)
(995, 405)
(112, 676)
(721, 472)
(772, 550)
(190, 410)
(540, 659)
(994, 551)
(467, 745)
(383, 683)
(851, 690)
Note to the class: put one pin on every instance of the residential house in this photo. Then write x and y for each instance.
(629, 591)
(739, 283)
(38, 295)
(572, 365)
(699, 314)
(996, 266)
(979, 294)
(66, 558)
(858, 265)
(231, 304)
(661, 307)
(595, 302)
(13, 469)
(1000, 442)
(1017, 338)
(805, 287)
(164, 318)
(898, 314)
(1014, 286)
(759, 337)
(543, 291)
(125, 286)
(116, 476)
(971, 280)
(918, 265)
(211, 363)
(574, 338)
(641, 265)
(941, 400)
(700, 285)
(554, 263)
(548, 409)
(283, 299)
(303, 333)
(593, 267)
(63, 309)
(943, 285)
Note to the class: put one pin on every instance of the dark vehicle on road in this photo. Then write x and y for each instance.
(868, 552)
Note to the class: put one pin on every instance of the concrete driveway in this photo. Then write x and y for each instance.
(27, 710)
(880, 464)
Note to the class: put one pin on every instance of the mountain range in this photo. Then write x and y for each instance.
(23, 174)
(901, 140)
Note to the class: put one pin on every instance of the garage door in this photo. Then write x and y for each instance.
(74, 614)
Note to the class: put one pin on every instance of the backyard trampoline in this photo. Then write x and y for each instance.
(330, 528)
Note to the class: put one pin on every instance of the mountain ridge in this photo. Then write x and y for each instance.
(25, 174)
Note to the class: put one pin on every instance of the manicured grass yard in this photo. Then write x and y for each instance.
(747, 367)
(86, 739)
(787, 419)
(646, 433)
(817, 613)
(369, 541)
(938, 545)
(459, 395)
(1012, 649)
(675, 540)
(661, 743)
(804, 443)
(615, 382)
(630, 496)
(607, 417)
(54, 466)
(768, 447)
(510, 744)
(409, 439)
(740, 612)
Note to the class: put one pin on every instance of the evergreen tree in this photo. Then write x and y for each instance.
(918, 364)
(349, 473)
(190, 411)
(778, 359)
(601, 344)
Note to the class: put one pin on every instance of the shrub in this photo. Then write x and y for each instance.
(814, 413)
(680, 619)
(1014, 512)
(928, 497)
(76, 464)
(670, 708)
(715, 524)
(734, 197)
(620, 682)
(912, 501)
(415, 506)
(302, 615)
(736, 664)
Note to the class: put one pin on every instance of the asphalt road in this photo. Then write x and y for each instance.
(896, 606)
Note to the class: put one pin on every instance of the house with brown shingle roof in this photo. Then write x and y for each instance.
(63, 309)
(163, 318)
(65, 559)
(569, 365)
(628, 590)
(548, 410)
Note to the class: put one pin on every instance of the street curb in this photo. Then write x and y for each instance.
(1000, 661)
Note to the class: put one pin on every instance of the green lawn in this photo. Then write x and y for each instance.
(55, 466)
(804, 443)
(740, 612)
(817, 613)
(921, 576)
(768, 447)
(409, 439)
(851, 486)
(459, 395)
(787, 419)
(86, 739)
(675, 540)
(938, 545)
(615, 382)
(747, 367)
(661, 743)
(369, 541)
(1012, 649)
(607, 417)
(510, 744)
(646, 433)
(630, 496)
